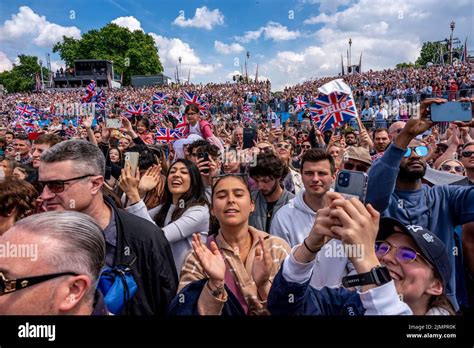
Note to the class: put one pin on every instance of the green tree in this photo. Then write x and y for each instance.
(429, 53)
(22, 77)
(405, 65)
(133, 53)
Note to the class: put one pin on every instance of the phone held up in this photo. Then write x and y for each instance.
(351, 183)
(205, 157)
(451, 112)
(132, 159)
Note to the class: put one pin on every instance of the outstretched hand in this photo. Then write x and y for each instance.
(211, 260)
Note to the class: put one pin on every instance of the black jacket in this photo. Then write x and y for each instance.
(153, 270)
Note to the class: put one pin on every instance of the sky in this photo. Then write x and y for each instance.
(290, 41)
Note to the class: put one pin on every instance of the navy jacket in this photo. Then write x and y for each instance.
(288, 298)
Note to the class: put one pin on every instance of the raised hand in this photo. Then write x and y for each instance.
(150, 179)
(211, 260)
(129, 184)
(87, 121)
(262, 264)
(358, 224)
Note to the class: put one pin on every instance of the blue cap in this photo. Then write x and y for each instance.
(431, 247)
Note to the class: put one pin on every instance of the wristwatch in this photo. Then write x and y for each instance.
(378, 275)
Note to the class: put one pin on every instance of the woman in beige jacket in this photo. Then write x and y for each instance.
(240, 257)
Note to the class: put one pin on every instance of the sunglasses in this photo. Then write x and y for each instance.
(467, 153)
(284, 146)
(421, 151)
(11, 285)
(57, 186)
(448, 168)
(306, 146)
(266, 149)
(403, 254)
(358, 167)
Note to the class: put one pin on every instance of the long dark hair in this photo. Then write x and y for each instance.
(195, 195)
(192, 107)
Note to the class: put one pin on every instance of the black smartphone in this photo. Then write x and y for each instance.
(205, 157)
(451, 112)
(250, 135)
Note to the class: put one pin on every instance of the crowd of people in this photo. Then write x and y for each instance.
(240, 213)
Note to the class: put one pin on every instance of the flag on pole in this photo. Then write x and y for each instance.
(300, 102)
(166, 135)
(334, 108)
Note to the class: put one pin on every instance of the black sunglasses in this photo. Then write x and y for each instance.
(467, 153)
(358, 167)
(57, 186)
(11, 285)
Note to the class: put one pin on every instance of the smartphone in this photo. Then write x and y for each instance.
(250, 135)
(205, 157)
(113, 123)
(451, 111)
(352, 184)
(132, 159)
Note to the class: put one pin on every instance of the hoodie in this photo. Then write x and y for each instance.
(293, 222)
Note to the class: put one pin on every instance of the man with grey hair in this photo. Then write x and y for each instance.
(58, 259)
(72, 176)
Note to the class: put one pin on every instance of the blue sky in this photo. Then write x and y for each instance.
(291, 41)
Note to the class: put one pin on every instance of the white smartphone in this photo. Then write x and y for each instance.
(132, 159)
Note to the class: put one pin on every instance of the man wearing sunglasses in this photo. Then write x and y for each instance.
(72, 176)
(357, 158)
(60, 279)
(403, 269)
(395, 189)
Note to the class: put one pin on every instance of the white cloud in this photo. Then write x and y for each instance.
(170, 49)
(28, 25)
(321, 18)
(278, 32)
(228, 49)
(5, 63)
(57, 64)
(272, 31)
(203, 18)
(128, 22)
(249, 36)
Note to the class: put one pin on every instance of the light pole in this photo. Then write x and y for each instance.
(451, 25)
(41, 67)
(246, 71)
(179, 60)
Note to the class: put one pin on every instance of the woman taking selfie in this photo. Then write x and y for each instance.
(401, 269)
(230, 274)
(184, 210)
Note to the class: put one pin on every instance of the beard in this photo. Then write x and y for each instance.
(270, 192)
(407, 175)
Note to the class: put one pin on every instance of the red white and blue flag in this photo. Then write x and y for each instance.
(300, 103)
(167, 135)
(182, 123)
(90, 92)
(137, 110)
(333, 110)
(100, 100)
(190, 98)
(159, 98)
(25, 110)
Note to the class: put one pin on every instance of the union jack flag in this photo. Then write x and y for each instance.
(24, 110)
(333, 110)
(100, 100)
(182, 123)
(190, 98)
(90, 92)
(159, 98)
(246, 108)
(137, 110)
(166, 135)
(299, 102)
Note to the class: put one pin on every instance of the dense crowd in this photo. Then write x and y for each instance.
(241, 212)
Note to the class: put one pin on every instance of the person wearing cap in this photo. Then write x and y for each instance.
(357, 158)
(404, 274)
(395, 189)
